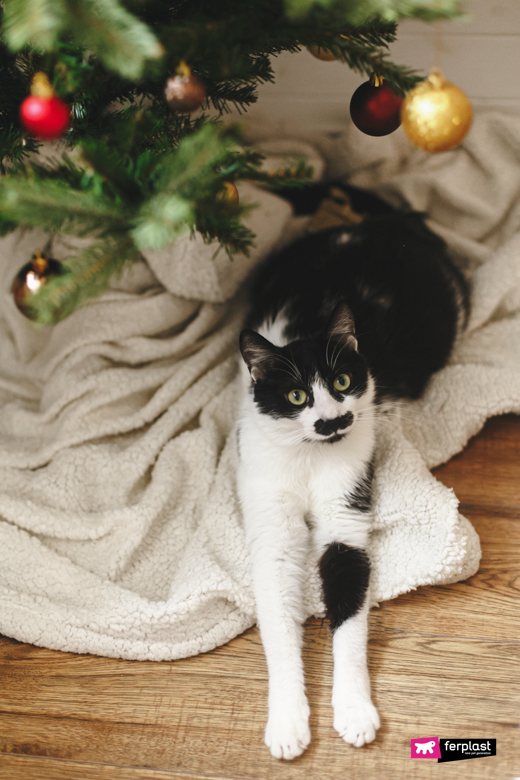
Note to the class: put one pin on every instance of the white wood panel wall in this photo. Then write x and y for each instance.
(481, 55)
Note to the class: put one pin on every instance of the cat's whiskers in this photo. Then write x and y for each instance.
(338, 349)
(298, 437)
(396, 410)
(294, 371)
(383, 422)
(327, 350)
(292, 374)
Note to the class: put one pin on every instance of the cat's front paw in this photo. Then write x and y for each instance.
(287, 736)
(356, 723)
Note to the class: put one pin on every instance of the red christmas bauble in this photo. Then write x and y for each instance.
(375, 109)
(44, 117)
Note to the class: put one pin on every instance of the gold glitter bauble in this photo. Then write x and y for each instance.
(228, 192)
(325, 55)
(436, 115)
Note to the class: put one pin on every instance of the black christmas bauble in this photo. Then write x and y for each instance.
(30, 279)
(375, 108)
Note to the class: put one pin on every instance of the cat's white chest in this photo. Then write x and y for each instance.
(311, 475)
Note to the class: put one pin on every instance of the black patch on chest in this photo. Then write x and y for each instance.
(345, 574)
(361, 497)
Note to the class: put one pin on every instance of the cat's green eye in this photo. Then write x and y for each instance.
(297, 397)
(342, 382)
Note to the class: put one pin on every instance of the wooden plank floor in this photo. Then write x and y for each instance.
(444, 662)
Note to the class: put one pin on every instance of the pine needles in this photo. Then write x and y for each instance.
(137, 175)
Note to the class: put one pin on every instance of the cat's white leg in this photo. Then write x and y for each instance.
(278, 540)
(355, 717)
(345, 572)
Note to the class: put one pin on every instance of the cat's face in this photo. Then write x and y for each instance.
(315, 388)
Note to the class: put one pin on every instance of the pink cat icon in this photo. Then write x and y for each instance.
(427, 747)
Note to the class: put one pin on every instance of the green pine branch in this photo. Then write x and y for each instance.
(362, 13)
(32, 200)
(119, 39)
(84, 277)
(140, 174)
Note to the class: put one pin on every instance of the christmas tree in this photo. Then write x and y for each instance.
(138, 88)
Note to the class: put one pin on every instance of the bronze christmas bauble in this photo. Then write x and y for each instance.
(184, 92)
(436, 115)
(30, 279)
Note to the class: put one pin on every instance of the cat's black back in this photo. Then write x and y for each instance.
(407, 297)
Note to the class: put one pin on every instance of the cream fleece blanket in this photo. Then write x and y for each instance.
(120, 532)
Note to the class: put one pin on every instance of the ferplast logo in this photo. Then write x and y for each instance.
(426, 747)
(462, 749)
(446, 749)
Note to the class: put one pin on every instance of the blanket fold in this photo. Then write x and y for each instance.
(120, 531)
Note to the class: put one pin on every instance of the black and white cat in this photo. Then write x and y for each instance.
(341, 320)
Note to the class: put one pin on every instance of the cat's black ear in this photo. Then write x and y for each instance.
(341, 325)
(258, 353)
